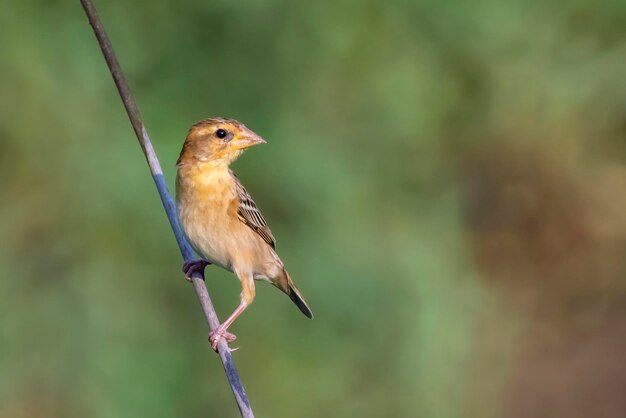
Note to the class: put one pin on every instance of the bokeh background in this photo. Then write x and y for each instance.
(446, 180)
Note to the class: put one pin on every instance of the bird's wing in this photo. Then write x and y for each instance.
(251, 215)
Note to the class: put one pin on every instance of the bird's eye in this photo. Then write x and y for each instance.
(221, 133)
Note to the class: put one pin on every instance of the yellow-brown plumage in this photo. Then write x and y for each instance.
(220, 218)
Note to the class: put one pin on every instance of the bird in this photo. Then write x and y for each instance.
(221, 220)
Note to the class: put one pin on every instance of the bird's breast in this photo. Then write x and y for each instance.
(206, 207)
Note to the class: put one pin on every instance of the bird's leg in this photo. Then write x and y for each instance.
(190, 267)
(220, 332)
(247, 296)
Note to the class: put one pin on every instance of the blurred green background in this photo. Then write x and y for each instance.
(446, 182)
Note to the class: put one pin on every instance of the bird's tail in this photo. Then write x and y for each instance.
(289, 287)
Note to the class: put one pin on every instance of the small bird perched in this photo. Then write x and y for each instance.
(221, 220)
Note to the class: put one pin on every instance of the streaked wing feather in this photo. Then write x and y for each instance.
(251, 215)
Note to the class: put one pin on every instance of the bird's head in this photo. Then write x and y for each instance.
(217, 139)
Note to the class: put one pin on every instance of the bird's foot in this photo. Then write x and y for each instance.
(218, 334)
(190, 267)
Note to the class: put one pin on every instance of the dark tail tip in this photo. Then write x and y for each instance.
(300, 303)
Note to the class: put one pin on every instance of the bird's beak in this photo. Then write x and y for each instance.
(246, 139)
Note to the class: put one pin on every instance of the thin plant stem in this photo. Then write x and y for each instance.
(168, 204)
